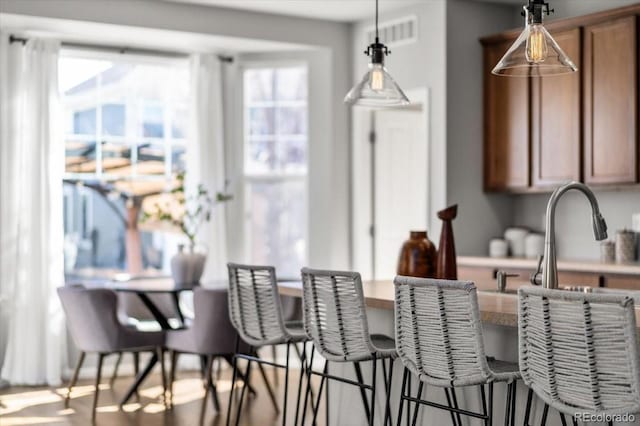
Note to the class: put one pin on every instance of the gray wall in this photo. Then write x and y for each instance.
(569, 8)
(573, 231)
(574, 234)
(480, 215)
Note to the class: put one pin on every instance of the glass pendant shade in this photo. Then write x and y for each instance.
(534, 54)
(376, 88)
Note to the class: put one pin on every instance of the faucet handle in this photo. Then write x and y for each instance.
(536, 277)
(501, 277)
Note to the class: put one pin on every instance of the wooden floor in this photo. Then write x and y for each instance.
(45, 406)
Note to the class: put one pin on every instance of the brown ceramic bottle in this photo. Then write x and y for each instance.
(418, 256)
(447, 264)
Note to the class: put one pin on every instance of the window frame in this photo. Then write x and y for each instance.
(133, 142)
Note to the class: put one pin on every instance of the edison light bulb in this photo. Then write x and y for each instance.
(536, 51)
(377, 78)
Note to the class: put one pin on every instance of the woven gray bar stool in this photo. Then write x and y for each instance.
(439, 340)
(256, 314)
(579, 353)
(335, 318)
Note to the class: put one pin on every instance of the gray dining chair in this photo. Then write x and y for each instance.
(335, 318)
(133, 313)
(439, 340)
(211, 335)
(94, 326)
(579, 352)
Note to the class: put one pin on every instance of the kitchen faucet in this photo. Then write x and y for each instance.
(549, 263)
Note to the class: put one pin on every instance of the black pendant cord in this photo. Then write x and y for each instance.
(377, 39)
(377, 51)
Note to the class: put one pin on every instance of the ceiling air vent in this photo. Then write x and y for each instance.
(396, 32)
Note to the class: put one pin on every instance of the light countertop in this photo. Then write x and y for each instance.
(591, 266)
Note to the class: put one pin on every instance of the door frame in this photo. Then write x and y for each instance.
(362, 207)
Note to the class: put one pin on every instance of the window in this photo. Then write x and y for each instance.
(124, 121)
(275, 166)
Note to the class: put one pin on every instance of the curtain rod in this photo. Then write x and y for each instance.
(23, 40)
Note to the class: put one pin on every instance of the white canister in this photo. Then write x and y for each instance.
(533, 246)
(515, 237)
(498, 248)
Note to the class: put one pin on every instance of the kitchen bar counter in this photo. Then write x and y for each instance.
(495, 308)
(500, 335)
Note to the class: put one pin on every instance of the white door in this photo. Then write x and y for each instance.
(400, 189)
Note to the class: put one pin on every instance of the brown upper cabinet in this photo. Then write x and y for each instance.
(541, 132)
(611, 102)
(555, 120)
(506, 109)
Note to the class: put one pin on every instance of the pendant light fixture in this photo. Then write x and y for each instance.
(535, 53)
(376, 88)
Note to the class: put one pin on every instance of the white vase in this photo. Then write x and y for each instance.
(187, 267)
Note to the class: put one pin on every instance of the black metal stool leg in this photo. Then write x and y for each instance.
(483, 398)
(563, 419)
(244, 388)
(387, 409)
(402, 394)
(409, 390)
(270, 391)
(317, 406)
(545, 413)
(450, 404)
(513, 403)
(363, 393)
(416, 409)
(455, 405)
(303, 371)
(527, 410)
(308, 388)
(373, 391)
(491, 403)
(286, 387)
(507, 407)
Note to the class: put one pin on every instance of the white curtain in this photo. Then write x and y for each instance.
(205, 155)
(31, 223)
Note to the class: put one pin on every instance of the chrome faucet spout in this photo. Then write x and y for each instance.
(550, 268)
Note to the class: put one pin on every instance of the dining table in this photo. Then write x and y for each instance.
(143, 288)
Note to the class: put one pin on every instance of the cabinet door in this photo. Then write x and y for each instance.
(555, 120)
(506, 125)
(611, 106)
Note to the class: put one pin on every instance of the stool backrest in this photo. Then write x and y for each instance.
(579, 352)
(254, 304)
(334, 314)
(438, 331)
